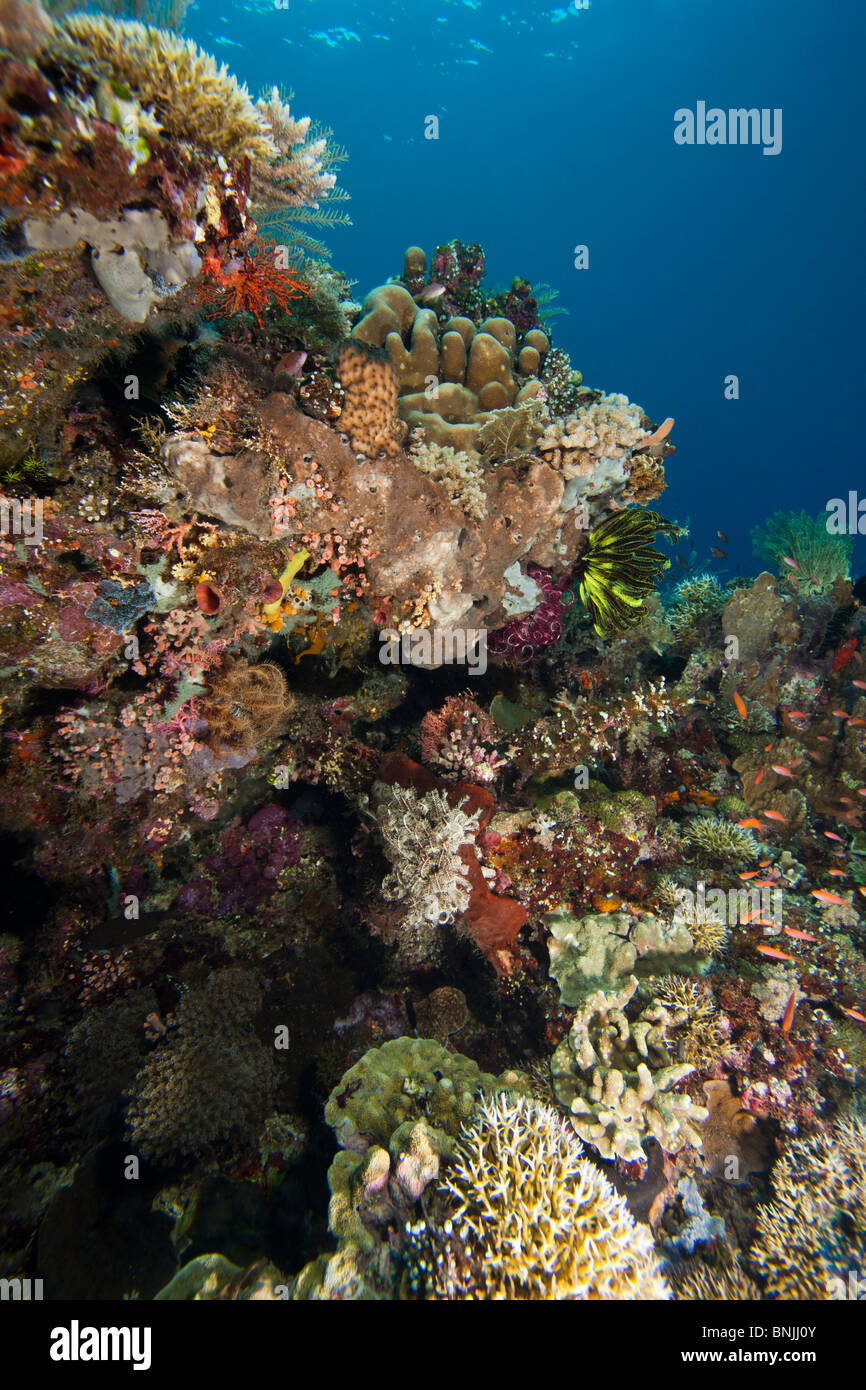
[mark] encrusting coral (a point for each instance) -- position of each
(520, 1214)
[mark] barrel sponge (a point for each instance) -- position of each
(387, 309)
(489, 361)
(369, 416)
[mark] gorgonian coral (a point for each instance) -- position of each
(251, 283)
(620, 567)
(524, 1216)
(521, 638)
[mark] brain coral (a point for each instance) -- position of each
(526, 1217)
(616, 1078)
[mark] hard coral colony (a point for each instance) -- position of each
(577, 922)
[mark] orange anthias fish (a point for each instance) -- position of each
(831, 835)
(861, 685)
(773, 952)
(740, 704)
(857, 723)
(831, 899)
(789, 1013)
(750, 824)
(717, 553)
(759, 778)
(764, 863)
(774, 815)
(749, 874)
(854, 1013)
(837, 873)
(781, 771)
(764, 883)
(797, 935)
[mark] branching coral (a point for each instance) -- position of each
(699, 1031)
(601, 1074)
(458, 471)
(192, 97)
(811, 1236)
(525, 1216)
(698, 599)
(620, 567)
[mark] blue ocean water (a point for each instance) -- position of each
(556, 130)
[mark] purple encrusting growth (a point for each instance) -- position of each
(521, 638)
(248, 866)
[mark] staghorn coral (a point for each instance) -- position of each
(522, 1215)
(210, 1080)
(697, 601)
(245, 704)
(727, 1283)
(422, 837)
(811, 1237)
(369, 416)
(191, 96)
(601, 1075)
(722, 840)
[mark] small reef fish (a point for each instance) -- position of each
(831, 899)
(774, 815)
(788, 1017)
(840, 713)
(719, 554)
(764, 883)
(750, 824)
(861, 685)
(857, 723)
(837, 873)
(740, 704)
(773, 952)
(792, 564)
(750, 873)
(846, 653)
(764, 863)
(798, 935)
(759, 777)
(831, 835)
(796, 714)
(782, 771)
(430, 292)
(854, 1013)
(722, 537)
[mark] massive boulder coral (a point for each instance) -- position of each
(616, 1078)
